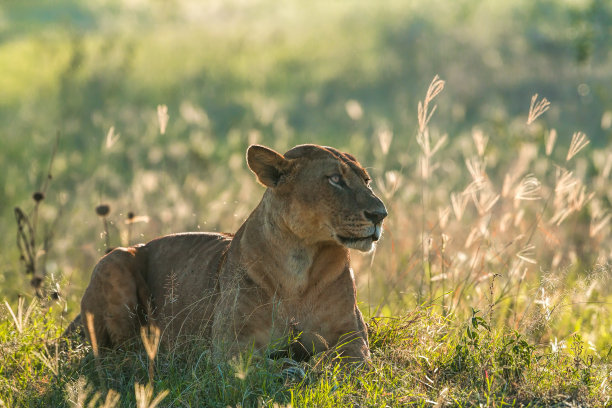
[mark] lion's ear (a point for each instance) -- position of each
(267, 164)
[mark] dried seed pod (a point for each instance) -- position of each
(38, 196)
(102, 210)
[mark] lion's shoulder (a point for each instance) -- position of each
(178, 251)
(191, 238)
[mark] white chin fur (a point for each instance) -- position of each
(363, 245)
(366, 246)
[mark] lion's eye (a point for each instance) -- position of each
(336, 180)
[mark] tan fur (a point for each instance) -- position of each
(285, 272)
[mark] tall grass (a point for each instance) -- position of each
(419, 359)
(519, 239)
(491, 291)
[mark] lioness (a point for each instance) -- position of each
(284, 273)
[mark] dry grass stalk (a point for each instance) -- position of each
(551, 138)
(424, 115)
(509, 180)
(111, 137)
(480, 141)
(385, 137)
(150, 336)
(424, 140)
(570, 195)
(565, 180)
(353, 109)
(79, 392)
(27, 226)
(390, 184)
(518, 217)
(560, 215)
(578, 197)
(103, 210)
(20, 320)
(52, 362)
(477, 169)
(607, 168)
(458, 204)
(162, 118)
(484, 200)
(504, 222)
(92, 335)
(606, 120)
(527, 254)
(112, 399)
(26, 241)
(423, 165)
(599, 220)
(579, 141)
(443, 217)
(537, 108)
(474, 187)
(529, 189)
(472, 237)
(144, 396)
(441, 401)
(89, 317)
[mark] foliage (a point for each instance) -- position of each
(419, 359)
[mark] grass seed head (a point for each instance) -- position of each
(537, 108)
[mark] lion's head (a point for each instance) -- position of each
(320, 194)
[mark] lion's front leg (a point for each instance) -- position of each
(341, 322)
(346, 341)
(244, 320)
(353, 346)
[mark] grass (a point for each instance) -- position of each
(419, 359)
(491, 286)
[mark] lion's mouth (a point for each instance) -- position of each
(375, 236)
(348, 241)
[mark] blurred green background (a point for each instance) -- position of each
(279, 73)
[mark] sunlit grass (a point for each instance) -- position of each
(420, 358)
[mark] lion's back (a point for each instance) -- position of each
(182, 275)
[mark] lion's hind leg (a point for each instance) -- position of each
(113, 306)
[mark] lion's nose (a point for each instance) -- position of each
(377, 215)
